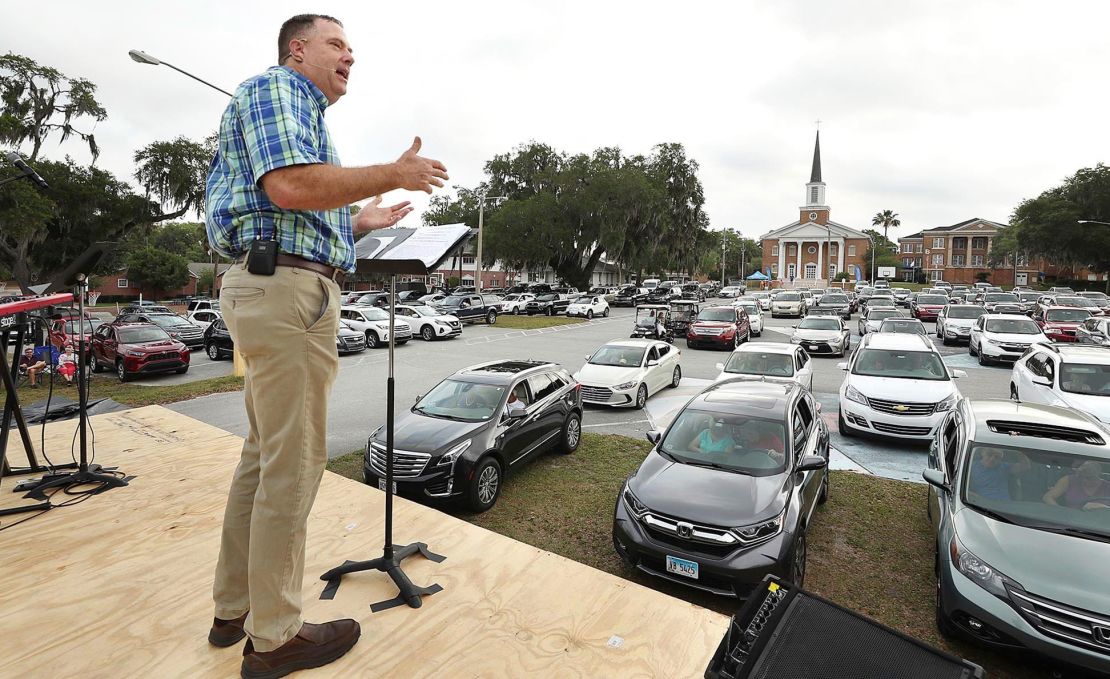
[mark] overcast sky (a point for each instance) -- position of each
(938, 110)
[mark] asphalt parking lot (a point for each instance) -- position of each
(358, 397)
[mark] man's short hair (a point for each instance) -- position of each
(295, 26)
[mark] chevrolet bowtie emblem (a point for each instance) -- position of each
(901, 408)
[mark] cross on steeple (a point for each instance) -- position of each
(818, 124)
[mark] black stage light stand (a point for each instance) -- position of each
(392, 555)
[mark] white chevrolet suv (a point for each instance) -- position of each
(1075, 376)
(897, 386)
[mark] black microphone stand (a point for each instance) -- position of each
(392, 555)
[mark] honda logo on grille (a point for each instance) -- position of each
(685, 529)
(1102, 634)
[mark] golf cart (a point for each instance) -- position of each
(653, 321)
(683, 313)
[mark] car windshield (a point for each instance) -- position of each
(880, 314)
(454, 300)
(1085, 378)
(833, 299)
(511, 297)
(1067, 315)
(549, 297)
(374, 314)
(1097, 296)
(86, 327)
(1077, 301)
(459, 400)
(761, 295)
(908, 326)
(725, 315)
(788, 297)
(585, 299)
(1000, 297)
(818, 323)
(915, 365)
(424, 311)
(1051, 491)
(1029, 296)
(751, 309)
(141, 335)
(932, 299)
(617, 355)
(966, 311)
(1012, 326)
(627, 291)
(169, 321)
(735, 443)
(761, 363)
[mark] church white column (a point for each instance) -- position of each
(798, 272)
(782, 259)
(840, 245)
(820, 257)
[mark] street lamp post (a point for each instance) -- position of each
(482, 198)
(872, 242)
(144, 58)
(722, 259)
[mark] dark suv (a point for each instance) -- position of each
(178, 327)
(464, 436)
(727, 494)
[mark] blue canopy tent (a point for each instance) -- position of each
(758, 276)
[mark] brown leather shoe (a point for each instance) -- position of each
(314, 646)
(226, 633)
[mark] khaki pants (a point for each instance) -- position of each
(284, 327)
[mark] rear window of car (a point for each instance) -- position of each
(931, 299)
(966, 311)
(788, 297)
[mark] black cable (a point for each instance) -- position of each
(77, 497)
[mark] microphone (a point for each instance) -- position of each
(325, 68)
(26, 169)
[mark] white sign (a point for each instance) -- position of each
(887, 271)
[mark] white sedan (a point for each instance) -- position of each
(768, 362)
(627, 372)
(429, 323)
(755, 313)
(588, 306)
(374, 322)
(514, 303)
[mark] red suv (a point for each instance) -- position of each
(137, 348)
(926, 306)
(719, 326)
(1059, 323)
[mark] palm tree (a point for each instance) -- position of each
(886, 219)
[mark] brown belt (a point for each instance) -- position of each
(324, 270)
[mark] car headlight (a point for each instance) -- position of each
(853, 394)
(626, 385)
(794, 339)
(134, 354)
(978, 571)
(451, 456)
(948, 403)
(637, 508)
(986, 340)
(760, 531)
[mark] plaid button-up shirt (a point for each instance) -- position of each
(275, 120)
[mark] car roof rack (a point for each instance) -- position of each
(1046, 431)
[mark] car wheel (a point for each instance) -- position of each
(213, 351)
(605, 314)
(572, 434)
(372, 340)
(491, 317)
(971, 348)
(676, 377)
(736, 340)
(1014, 392)
(689, 345)
(823, 496)
(589, 314)
(427, 333)
(842, 426)
(121, 372)
(550, 311)
(96, 367)
(798, 560)
(641, 396)
(486, 487)
(983, 360)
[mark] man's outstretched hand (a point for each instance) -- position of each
(373, 216)
(416, 173)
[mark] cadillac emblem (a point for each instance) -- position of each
(901, 408)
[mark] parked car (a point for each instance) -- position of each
(909, 326)
(433, 299)
(373, 322)
(1061, 290)
(588, 306)
(897, 386)
(764, 299)
(1010, 510)
(144, 308)
(1067, 375)
(954, 322)
(728, 493)
(547, 304)
(463, 438)
(348, 339)
(1099, 298)
(202, 304)
(692, 291)
(628, 372)
(137, 349)
(202, 318)
(428, 322)
(836, 302)
(788, 304)
(822, 335)
(1060, 323)
(177, 327)
(217, 340)
(1094, 330)
(993, 299)
(472, 308)
(630, 296)
(1002, 337)
(926, 307)
(770, 362)
(871, 319)
(901, 296)
(755, 314)
(720, 327)
(514, 302)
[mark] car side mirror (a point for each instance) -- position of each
(652, 362)
(935, 478)
(812, 463)
(959, 373)
(418, 397)
(794, 326)
(842, 366)
(818, 404)
(517, 414)
(1043, 383)
(653, 436)
(587, 358)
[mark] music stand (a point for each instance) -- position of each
(373, 254)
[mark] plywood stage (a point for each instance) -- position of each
(120, 585)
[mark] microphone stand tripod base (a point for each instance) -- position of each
(390, 564)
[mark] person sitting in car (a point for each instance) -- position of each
(514, 404)
(990, 476)
(1082, 489)
(757, 439)
(714, 439)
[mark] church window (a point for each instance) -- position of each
(938, 242)
(977, 260)
(793, 250)
(812, 195)
(811, 250)
(774, 251)
(851, 251)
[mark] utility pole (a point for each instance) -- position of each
(723, 258)
(482, 198)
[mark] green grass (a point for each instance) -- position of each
(533, 322)
(105, 385)
(871, 547)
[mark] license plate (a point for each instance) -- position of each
(381, 486)
(813, 347)
(687, 569)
